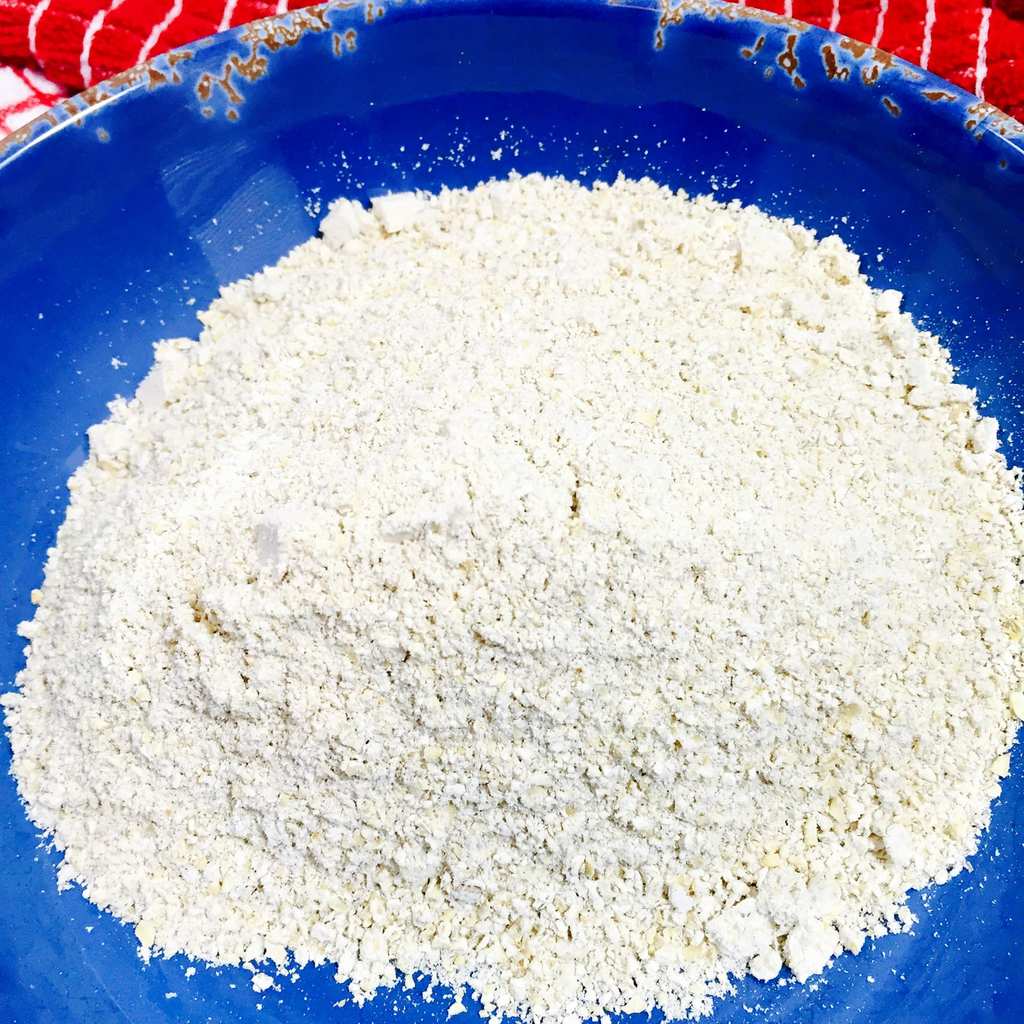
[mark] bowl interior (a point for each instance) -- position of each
(117, 225)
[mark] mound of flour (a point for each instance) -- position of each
(579, 595)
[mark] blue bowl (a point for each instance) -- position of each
(123, 212)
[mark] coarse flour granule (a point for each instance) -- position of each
(582, 595)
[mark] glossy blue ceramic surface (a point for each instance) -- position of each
(122, 218)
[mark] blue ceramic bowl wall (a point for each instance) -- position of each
(124, 212)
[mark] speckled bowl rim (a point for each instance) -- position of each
(810, 56)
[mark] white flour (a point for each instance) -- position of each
(580, 595)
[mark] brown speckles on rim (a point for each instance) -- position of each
(789, 61)
(141, 73)
(207, 111)
(832, 66)
(205, 85)
(868, 62)
(373, 11)
(861, 50)
(994, 119)
(668, 15)
(265, 38)
(102, 134)
(231, 114)
(857, 49)
(156, 77)
(749, 52)
(343, 42)
(104, 90)
(880, 60)
(75, 106)
(25, 132)
(675, 13)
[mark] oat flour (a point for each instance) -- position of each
(579, 594)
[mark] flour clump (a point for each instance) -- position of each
(582, 595)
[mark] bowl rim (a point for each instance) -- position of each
(843, 59)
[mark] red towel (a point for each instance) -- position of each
(978, 44)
